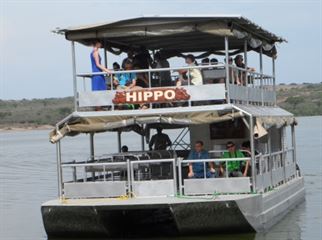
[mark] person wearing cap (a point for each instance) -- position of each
(234, 167)
(126, 80)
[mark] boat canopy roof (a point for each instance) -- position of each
(177, 34)
(93, 122)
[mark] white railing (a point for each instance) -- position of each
(257, 88)
(219, 184)
(274, 169)
(136, 177)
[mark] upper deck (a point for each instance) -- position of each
(204, 36)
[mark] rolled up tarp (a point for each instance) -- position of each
(259, 130)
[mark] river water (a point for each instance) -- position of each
(28, 178)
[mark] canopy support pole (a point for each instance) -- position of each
(74, 75)
(227, 68)
(105, 57)
(246, 73)
(92, 153)
(91, 140)
(261, 73)
(252, 150)
(142, 142)
(119, 140)
(274, 80)
(59, 170)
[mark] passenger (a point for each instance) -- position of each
(164, 77)
(160, 141)
(233, 75)
(142, 59)
(241, 74)
(196, 170)
(124, 149)
(214, 61)
(130, 56)
(234, 167)
(142, 78)
(205, 61)
(98, 81)
(247, 152)
(116, 67)
(126, 81)
(194, 74)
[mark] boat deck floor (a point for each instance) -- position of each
(145, 200)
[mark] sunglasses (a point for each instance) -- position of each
(230, 146)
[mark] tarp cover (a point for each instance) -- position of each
(79, 122)
(177, 34)
(76, 124)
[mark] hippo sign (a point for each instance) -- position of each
(156, 95)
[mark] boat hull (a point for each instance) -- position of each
(171, 216)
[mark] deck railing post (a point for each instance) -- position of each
(227, 69)
(252, 149)
(92, 153)
(129, 182)
(174, 169)
(180, 176)
(59, 170)
(74, 75)
(293, 144)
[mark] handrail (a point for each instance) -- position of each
(249, 71)
(150, 70)
(93, 164)
(220, 65)
(215, 160)
(277, 153)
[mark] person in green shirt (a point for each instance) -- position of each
(234, 167)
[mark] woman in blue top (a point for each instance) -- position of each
(98, 81)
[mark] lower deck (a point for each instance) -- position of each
(171, 216)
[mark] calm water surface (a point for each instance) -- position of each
(28, 178)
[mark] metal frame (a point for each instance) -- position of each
(227, 68)
(154, 161)
(59, 170)
(74, 74)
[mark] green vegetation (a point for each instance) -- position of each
(34, 112)
(302, 100)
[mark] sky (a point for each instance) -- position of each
(36, 63)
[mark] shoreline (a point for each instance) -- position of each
(22, 128)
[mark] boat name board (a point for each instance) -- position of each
(151, 96)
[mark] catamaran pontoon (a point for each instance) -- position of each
(143, 192)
